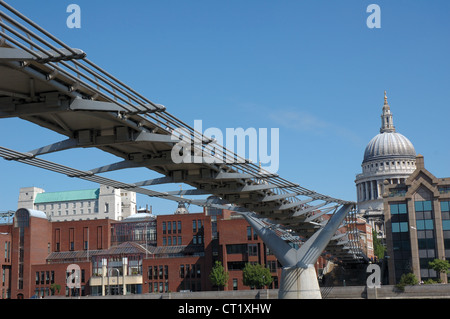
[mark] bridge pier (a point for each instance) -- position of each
(299, 283)
(298, 277)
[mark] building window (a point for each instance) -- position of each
(272, 265)
(150, 272)
(445, 206)
(181, 271)
(57, 239)
(425, 237)
(399, 218)
(188, 272)
(445, 213)
(400, 227)
(253, 249)
(236, 249)
(444, 189)
(426, 224)
(398, 209)
(160, 272)
(422, 206)
(71, 239)
(99, 237)
(86, 238)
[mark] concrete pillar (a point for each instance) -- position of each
(299, 283)
(366, 186)
(124, 275)
(379, 189)
(104, 273)
(372, 190)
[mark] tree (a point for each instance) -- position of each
(55, 287)
(440, 265)
(218, 276)
(256, 275)
(407, 280)
(378, 247)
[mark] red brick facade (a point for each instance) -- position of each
(187, 246)
(5, 260)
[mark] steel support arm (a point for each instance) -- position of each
(309, 209)
(311, 250)
(285, 254)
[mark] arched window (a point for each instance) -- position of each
(22, 218)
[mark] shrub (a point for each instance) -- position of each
(407, 280)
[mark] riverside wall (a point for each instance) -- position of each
(434, 291)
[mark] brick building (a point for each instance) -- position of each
(5, 262)
(140, 254)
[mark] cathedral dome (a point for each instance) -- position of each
(389, 145)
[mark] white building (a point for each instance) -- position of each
(388, 158)
(98, 203)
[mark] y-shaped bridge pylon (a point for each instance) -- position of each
(299, 278)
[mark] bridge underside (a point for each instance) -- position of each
(58, 88)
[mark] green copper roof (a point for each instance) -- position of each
(67, 196)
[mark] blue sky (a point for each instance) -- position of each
(313, 69)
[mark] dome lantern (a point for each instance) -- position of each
(387, 121)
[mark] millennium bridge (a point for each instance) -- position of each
(48, 83)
